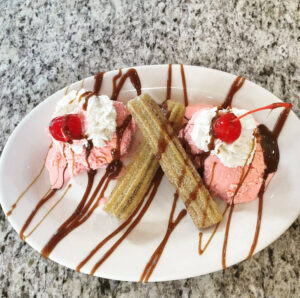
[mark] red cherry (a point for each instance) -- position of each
(66, 128)
(226, 129)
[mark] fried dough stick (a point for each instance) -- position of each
(135, 181)
(174, 161)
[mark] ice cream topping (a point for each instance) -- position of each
(230, 154)
(66, 128)
(101, 120)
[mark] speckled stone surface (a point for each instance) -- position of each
(46, 45)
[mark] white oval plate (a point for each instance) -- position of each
(26, 148)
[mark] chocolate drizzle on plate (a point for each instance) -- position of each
(241, 181)
(224, 250)
(46, 198)
(280, 122)
(169, 82)
(235, 87)
(153, 187)
(114, 233)
(97, 87)
(185, 96)
(98, 82)
(114, 81)
(72, 221)
(135, 80)
(162, 143)
(48, 211)
(159, 250)
(14, 205)
(268, 141)
(202, 250)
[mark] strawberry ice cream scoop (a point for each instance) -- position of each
(228, 183)
(227, 164)
(99, 124)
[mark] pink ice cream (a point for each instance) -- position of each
(63, 163)
(221, 180)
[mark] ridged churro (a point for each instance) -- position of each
(174, 161)
(135, 181)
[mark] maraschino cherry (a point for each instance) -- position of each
(227, 127)
(66, 128)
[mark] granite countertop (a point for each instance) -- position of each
(45, 45)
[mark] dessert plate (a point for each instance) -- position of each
(26, 148)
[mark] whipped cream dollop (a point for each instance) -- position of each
(231, 155)
(99, 118)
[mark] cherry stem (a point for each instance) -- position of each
(271, 107)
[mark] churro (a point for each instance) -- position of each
(135, 181)
(174, 161)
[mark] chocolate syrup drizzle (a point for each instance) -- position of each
(46, 198)
(162, 143)
(135, 81)
(98, 82)
(86, 100)
(202, 250)
(169, 82)
(235, 87)
(211, 145)
(88, 150)
(270, 147)
(114, 81)
(48, 211)
(154, 186)
(110, 236)
(14, 205)
(159, 250)
(185, 96)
